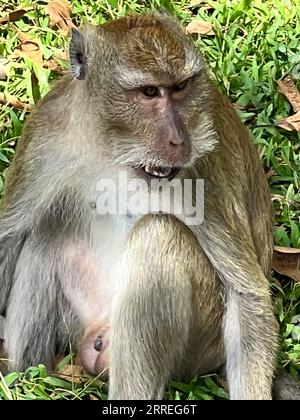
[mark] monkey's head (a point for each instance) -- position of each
(148, 91)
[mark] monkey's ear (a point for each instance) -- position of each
(78, 54)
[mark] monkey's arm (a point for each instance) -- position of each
(237, 238)
(249, 325)
(38, 178)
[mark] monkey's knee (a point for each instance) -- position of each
(157, 224)
(166, 236)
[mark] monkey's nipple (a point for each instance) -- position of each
(98, 343)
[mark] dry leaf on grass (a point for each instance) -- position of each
(200, 27)
(54, 66)
(30, 48)
(290, 123)
(13, 16)
(286, 261)
(288, 88)
(59, 12)
(14, 102)
(72, 372)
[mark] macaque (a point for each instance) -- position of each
(143, 297)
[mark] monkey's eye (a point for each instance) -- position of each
(150, 91)
(180, 86)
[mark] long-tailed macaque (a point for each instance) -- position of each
(142, 297)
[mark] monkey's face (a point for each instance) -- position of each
(156, 130)
(156, 113)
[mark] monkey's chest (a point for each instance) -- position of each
(108, 236)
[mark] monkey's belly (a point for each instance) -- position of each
(98, 268)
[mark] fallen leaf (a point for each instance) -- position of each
(14, 102)
(13, 16)
(30, 48)
(288, 88)
(286, 261)
(200, 27)
(72, 372)
(291, 123)
(54, 66)
(59, 12)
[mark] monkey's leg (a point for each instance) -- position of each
(153, 317)
(251, 344)
(32, 307)
(250, 329)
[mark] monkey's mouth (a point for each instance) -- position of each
(158, 172)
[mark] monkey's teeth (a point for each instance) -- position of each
(166, 172)
(155, 172)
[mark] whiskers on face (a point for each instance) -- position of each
(129, 152)
(134, 154)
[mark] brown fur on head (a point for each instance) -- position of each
(145, 42)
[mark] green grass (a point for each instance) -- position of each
(255, 43)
